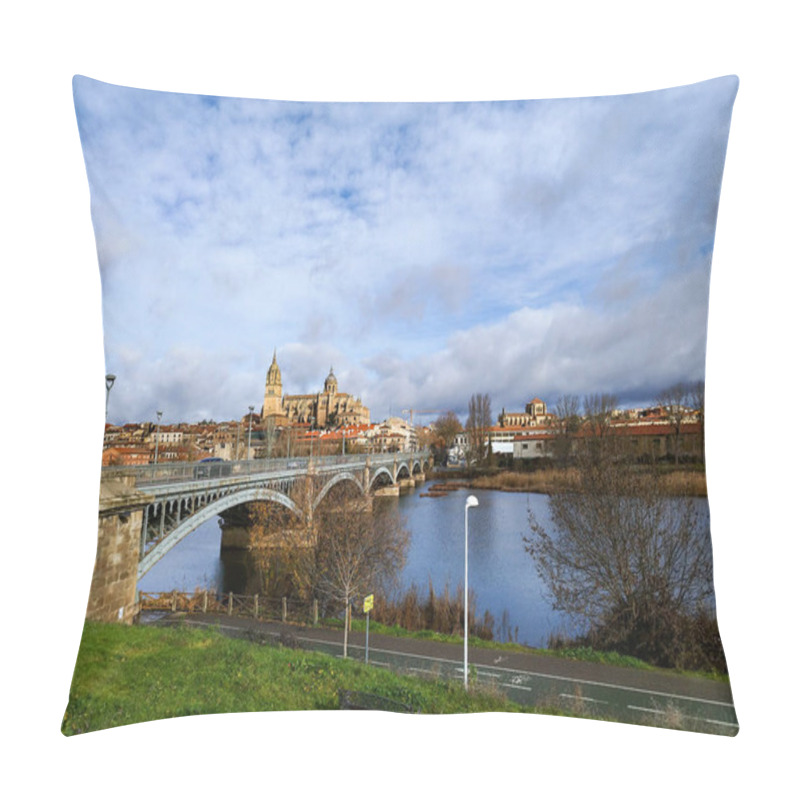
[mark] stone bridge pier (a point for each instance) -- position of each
(112, 596)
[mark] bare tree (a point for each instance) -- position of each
(697, 391)
(445, 429)
(362, 553)
(567, 411)
(598, 410)
(629, 561)
(333, 553)
(674, 401)
(448, 426)
(479, 423)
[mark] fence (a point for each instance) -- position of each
(183, 471)
(286, 609)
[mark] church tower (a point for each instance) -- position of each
(331, 384)
(273, 393)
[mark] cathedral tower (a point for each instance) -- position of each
(331, 384)
(273, 392)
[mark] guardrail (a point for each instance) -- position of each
(176, 472)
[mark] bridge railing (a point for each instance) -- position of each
(182, 471)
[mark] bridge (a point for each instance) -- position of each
(146, 510)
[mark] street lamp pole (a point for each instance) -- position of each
(109, 383)
(472, 501)
(158, 424)
(249, 430)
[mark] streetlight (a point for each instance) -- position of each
(472, 501)
(109, 383)
(158, 414)
(311, 421)
(249, 430)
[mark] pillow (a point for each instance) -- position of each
(434, 368)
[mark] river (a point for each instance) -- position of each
(501, 573)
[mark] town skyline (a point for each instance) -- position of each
(425, 416)
(428, 251)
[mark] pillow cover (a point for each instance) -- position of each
(424, 366)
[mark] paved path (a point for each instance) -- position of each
(632, 695)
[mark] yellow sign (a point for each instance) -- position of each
(369, 601)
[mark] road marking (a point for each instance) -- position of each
(694, 719)
(586, 699)
(518, 672)
(564, 678)
(720, 722)
(647, 710)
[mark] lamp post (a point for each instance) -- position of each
(109, 383)
(249, 430)
(158, 424)
(472, 501)
(311, 421)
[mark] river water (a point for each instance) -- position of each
(501, 573)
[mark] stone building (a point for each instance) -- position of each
(329, 408)
(535, 414)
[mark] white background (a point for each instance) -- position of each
(53, 393)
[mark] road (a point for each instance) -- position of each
(649, 697)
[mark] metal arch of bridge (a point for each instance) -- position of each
(208, 512)
(212, 497)
(382, 471)
(342, 476)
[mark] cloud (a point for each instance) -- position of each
(426, 251)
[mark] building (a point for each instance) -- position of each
(535, 414)
(395, 435)
(126, 456)
(329, 408)
(641, 441)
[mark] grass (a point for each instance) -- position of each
(573, 653)
(125, 675)
(684, 480)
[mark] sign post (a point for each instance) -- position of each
(369, 601)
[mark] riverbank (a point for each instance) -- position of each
(683, 482)
(202, 664)
(125, 675)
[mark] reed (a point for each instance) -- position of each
(415, 610)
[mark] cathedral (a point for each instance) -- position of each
(329, 408)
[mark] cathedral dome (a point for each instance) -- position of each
(331, 384)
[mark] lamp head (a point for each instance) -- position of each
(472, 501)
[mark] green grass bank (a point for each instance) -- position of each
(125, 675)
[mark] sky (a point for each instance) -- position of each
(424, 251)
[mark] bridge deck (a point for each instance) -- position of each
(193, 471)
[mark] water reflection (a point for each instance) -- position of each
(502, 574)
(193, 563)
